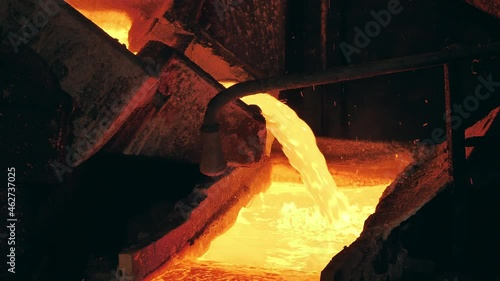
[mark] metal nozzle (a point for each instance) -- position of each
(212, 162)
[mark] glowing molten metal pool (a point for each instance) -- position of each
(291, 231)
(280, 236)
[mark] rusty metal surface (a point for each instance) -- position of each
(491, 7)
(205, 51)
(169, 124)
(258, 39)
(33, 116)
(231, 40)
(197, 45)
(108, 84)
(106, 81)
(170, 24)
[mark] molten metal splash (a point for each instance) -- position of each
(291, 231)
(282, 230)
(288, 229)
(299, 145)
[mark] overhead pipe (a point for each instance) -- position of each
(213, 161)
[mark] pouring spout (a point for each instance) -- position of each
(213, 162)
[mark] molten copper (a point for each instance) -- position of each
(293, 229)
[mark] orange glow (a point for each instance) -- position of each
(291, 231)
(282, 230)
(116, 24)
(299, 145)
(280, 235)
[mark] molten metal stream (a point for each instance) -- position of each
(291, 231)
(299, 145)
(297, 139)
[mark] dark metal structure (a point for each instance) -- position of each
(451, 59)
